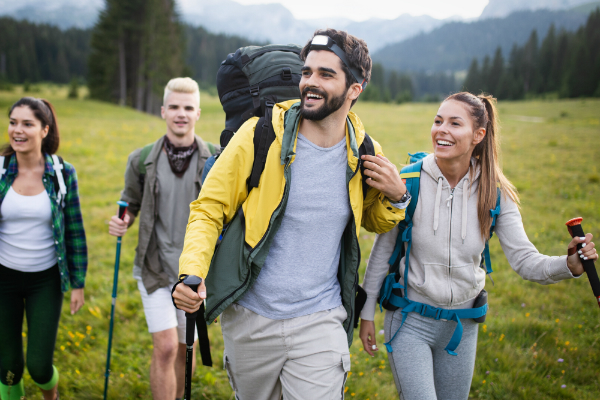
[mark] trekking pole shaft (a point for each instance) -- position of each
(192, 282)
(575, 229)
(121, 215)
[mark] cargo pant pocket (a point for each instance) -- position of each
(346, 366)
(227, 367)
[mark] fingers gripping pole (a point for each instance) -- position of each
(193, 282)
(574, 227)
(121, 214)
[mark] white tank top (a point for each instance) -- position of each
(26, 239)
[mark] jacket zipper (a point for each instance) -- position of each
(350, 326)
(450, 245)
(285, 189)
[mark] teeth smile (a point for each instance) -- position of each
(314, 96)
(444, 143)
(20, 140)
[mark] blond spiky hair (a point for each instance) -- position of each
(182, 85)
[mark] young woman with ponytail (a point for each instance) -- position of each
(43, 249)
(451, 223)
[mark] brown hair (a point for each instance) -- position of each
(43, 112)
(356, 51)
(487, 152)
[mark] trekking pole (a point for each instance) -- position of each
(192, 281)
(574, 227)
(122, 210)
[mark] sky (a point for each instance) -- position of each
(360, 10)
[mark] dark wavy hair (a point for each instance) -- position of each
(43, 112)
(356, 51)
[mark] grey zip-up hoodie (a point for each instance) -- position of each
(447, 245)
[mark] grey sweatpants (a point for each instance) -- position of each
(422, 369)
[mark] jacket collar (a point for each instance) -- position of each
(203, 151)
(13, 167)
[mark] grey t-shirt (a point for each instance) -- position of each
(173, 210)
(299, 276)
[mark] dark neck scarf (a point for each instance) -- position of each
(179, 157)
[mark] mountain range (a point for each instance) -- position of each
(406, 42)
(452, 46)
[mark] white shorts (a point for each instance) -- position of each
(160, 312)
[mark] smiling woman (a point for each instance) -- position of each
(436, 296)
(42, 246)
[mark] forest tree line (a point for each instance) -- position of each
(565, 63)
(137, 45)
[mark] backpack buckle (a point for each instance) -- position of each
(254, 90)
(286, 73)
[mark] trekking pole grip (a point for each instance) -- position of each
(122, 209)
(192, 281)
(574, 227)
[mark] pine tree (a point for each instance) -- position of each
(136, 47)
(546, 58)
(472, 82)
(496, 71)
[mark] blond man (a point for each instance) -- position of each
(161, 180)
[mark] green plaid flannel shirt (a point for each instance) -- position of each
(67, 224)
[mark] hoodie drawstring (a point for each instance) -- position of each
(438, 198)
(465, 200)
(466, 195)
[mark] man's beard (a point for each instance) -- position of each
(328, 107)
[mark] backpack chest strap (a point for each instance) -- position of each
(3, 168)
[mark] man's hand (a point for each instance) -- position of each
(186, 299)
(588, 251)
(367, 335)
(117, 226)
(384, 176)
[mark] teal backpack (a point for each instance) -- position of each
(391, 293)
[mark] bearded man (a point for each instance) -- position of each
(285, 273)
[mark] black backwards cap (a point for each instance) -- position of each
(323, 42)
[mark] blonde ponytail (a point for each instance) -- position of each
(487, 153)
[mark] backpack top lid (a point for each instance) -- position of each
(250, 74)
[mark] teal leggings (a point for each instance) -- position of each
(38, 295)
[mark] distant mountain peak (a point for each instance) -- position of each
(502, 8)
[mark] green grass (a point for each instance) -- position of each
(551, 153)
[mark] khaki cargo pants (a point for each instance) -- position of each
(303, 358)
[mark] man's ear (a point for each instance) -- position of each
(354, 91)
(199, 112)
(162, 112)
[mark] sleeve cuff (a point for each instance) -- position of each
(368, 311)
(399, 205)
(558, 269)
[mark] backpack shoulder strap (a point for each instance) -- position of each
(143, 155)
(59, 179)
(264, 135)
(486, 261)
(4, 161)
(411, 175)
(213, 149)
(366, 148)
(142, 164)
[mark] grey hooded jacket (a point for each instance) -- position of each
(447, 245)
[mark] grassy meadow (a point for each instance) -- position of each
(537, 343)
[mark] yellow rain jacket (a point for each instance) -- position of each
(253, 218)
